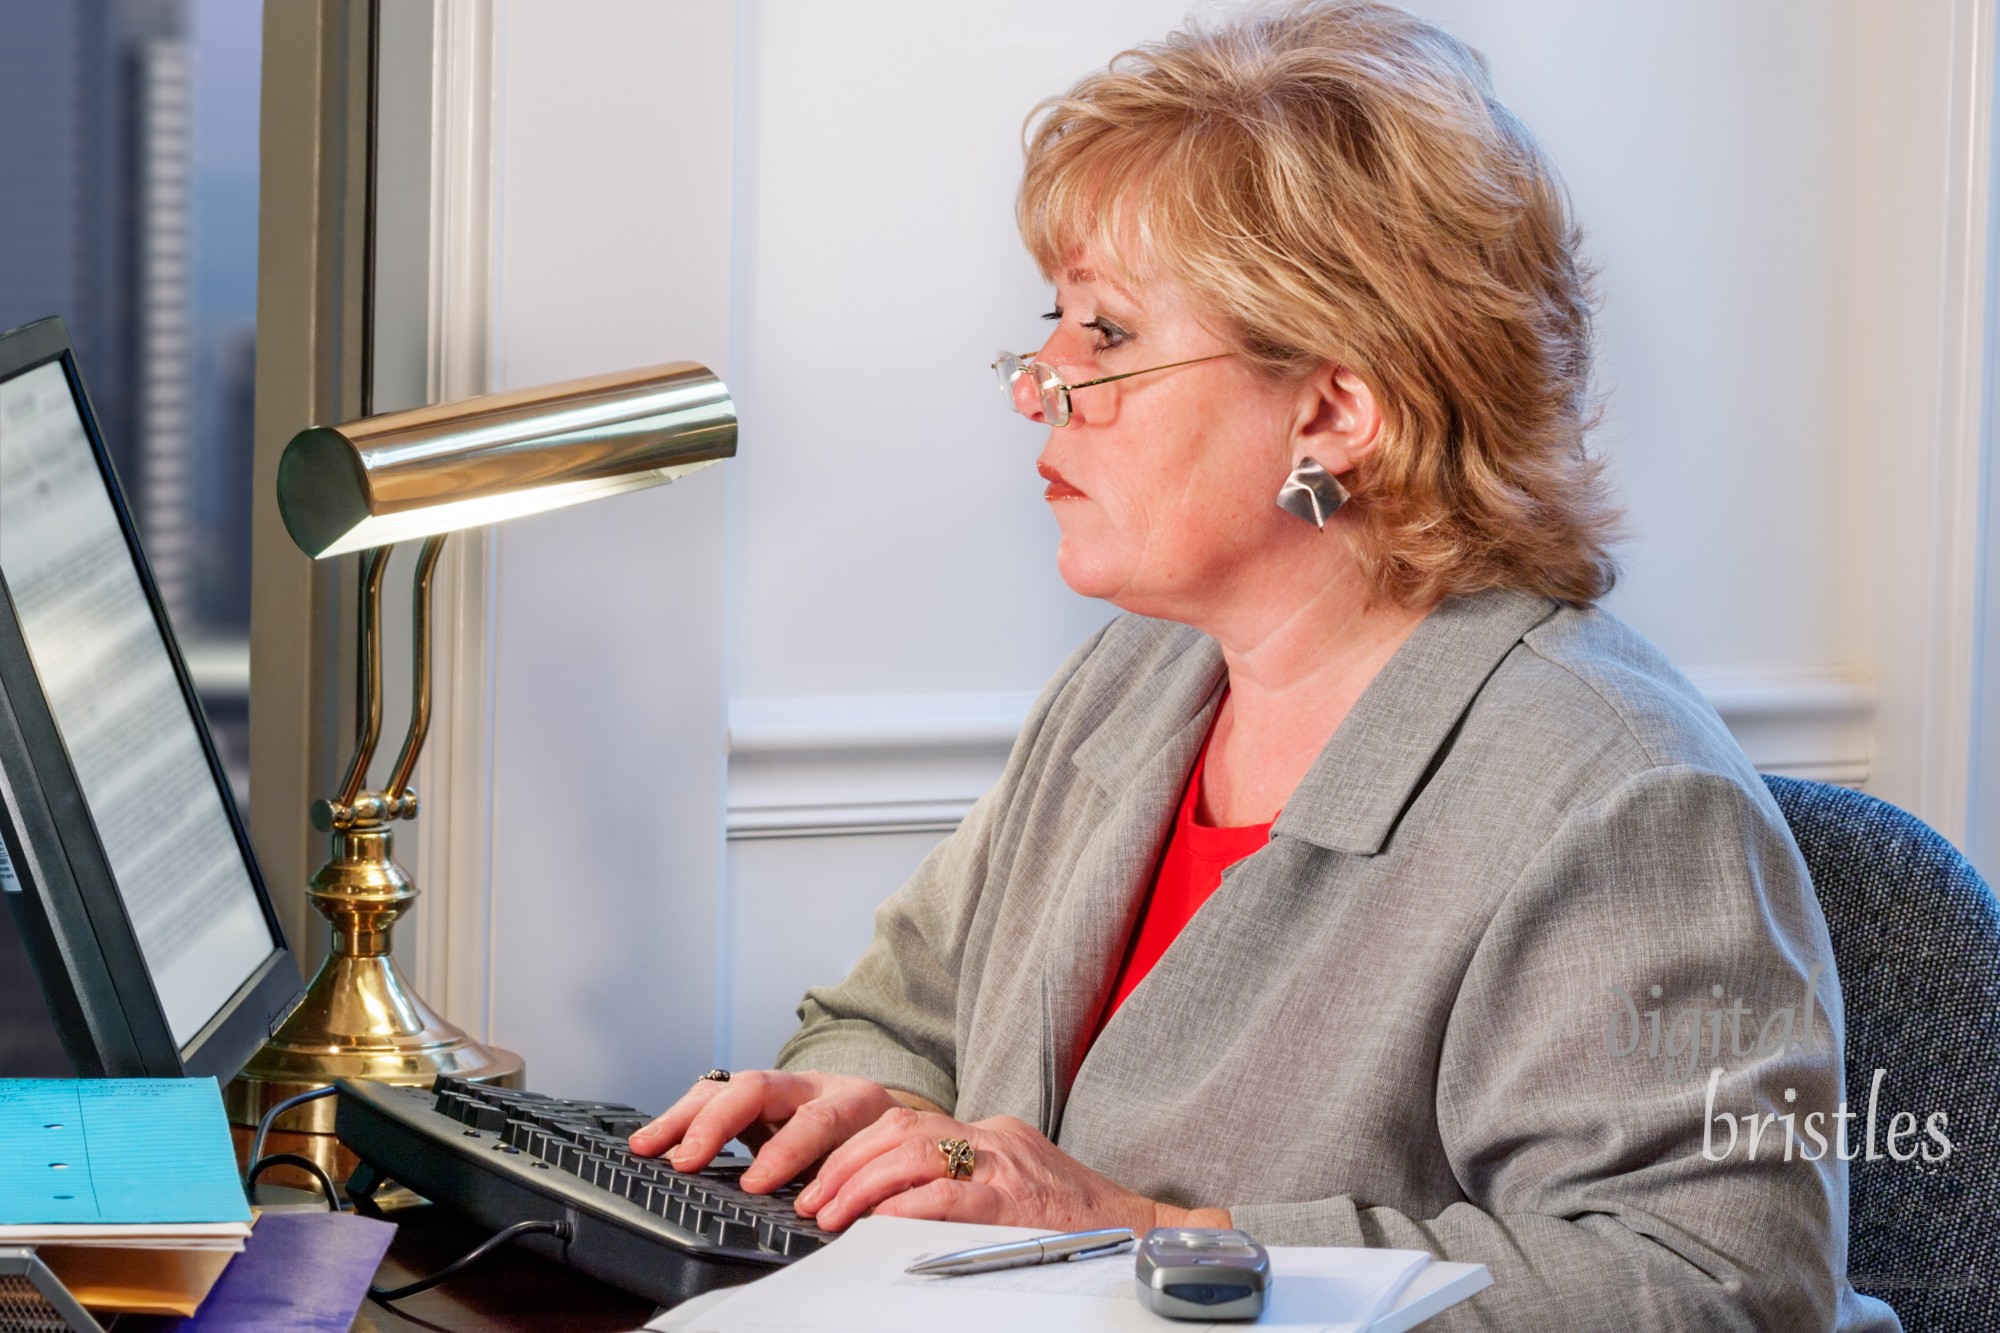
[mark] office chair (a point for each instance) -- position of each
(1916, 939)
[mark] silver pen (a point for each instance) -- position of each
(1023, 1253)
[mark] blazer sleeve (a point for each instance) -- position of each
(895, 1017)
(1599, 1191)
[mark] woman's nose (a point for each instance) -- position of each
(1027, 396)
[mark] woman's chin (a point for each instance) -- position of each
(1085, 576)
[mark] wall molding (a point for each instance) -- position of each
(868, 764)
(818, 767)
(454, 855)
(1816, 723)
(1946, 656)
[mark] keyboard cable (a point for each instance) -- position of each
(258, 1161)
(560, 1230)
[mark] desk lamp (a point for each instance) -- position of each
(362, 487)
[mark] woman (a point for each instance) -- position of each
(1307, 256)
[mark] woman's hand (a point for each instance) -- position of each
(796, 1118)
(894, 1168)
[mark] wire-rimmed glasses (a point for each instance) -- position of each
(1049, 384)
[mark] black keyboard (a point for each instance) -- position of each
(500, 1155)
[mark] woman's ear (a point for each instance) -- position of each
(1338, 420)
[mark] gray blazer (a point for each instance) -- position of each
(1402, 1022)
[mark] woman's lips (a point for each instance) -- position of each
(1058, 489)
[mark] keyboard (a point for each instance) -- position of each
(498, 1156)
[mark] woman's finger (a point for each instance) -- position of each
(813, 1131)
(666, 1128)
(745, 1100)
(891, 1128)
(948, 1201)
(908, 1165)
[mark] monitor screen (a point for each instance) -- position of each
(118, 703)
(127, 844)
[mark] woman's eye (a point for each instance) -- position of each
(1109, 335)
(1054, 315)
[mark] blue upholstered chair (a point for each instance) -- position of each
(1916, 936)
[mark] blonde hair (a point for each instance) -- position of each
(1334, 181)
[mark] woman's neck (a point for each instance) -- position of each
(1296, 666)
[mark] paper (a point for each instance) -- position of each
(226, 1236)
(301, 1272)
(121, 1280)
(115, 1151)
(858, 1284)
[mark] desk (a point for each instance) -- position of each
(509, 1290)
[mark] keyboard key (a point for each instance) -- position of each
(798, 1244)
(736, 1234)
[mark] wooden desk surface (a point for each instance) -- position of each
(508, 1290)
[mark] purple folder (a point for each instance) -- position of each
(298, 1271)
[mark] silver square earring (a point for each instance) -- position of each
(1312, 493)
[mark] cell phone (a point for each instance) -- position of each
(1202, 1273)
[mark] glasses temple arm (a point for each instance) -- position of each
(1107, 379)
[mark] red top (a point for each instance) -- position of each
(1190, 869)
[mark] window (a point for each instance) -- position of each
(130, 210)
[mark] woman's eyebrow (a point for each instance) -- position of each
(1087, 275)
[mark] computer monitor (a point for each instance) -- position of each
(127, 870)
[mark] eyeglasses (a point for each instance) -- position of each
(1054, 393)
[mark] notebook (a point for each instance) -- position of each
(124, 1158)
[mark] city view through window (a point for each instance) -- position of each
(128, 206)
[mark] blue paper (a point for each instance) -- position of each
(116, 1151)
(301, 1272)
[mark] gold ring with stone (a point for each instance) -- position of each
(958, 1158)
(715, 1076)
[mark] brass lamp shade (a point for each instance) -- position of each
(389, 478)
(364, 486)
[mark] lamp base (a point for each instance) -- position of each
(359, 1019)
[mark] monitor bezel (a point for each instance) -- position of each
(75, 926)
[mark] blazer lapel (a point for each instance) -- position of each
(1140, 757)
(1380, 755)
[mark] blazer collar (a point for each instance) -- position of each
(1350, 799)
(1352, 796)
(1181, 687)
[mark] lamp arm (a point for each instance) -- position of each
(420, 693)
(368, 696)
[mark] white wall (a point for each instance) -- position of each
(612, 207)
(816, 199)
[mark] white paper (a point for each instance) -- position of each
(859, 1284)
(149, 1235)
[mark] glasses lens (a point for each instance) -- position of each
(1007, 368)
(1055, 402)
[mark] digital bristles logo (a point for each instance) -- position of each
(1693, 1036)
